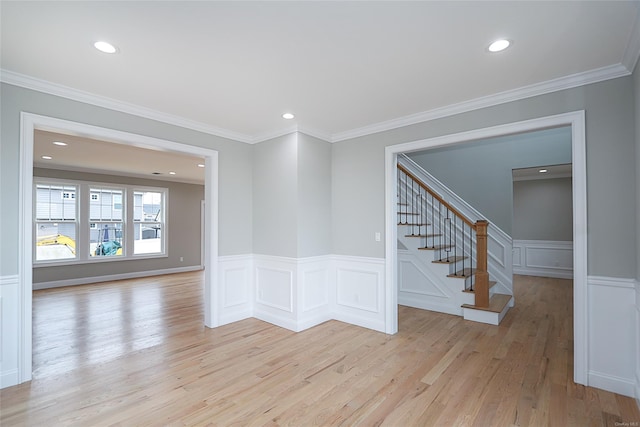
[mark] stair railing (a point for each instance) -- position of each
(419, 207)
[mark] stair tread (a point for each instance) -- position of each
(408, 213)
(497, 303)
(449, 260)
(435, 248)
(422, 235)
(462, 274)
(492, 283)
(413, 223)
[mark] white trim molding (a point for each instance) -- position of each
(9, 339)
(543, 258)
(562, 83)
(613, 332)
(28, 124)
(576, 120)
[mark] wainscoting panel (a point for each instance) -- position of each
(360, 291)
(544, 258)
(236, 288)
(276, 290)
(314, 297)
(9, 339)
(612, 334)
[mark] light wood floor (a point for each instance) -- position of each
(136, 353)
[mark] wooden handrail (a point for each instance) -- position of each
(437, 197)
(481, 287)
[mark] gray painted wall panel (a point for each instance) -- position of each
(543, 210)
(183, 228)
(235, 163)
(481, 172)
(610, 170)
(314, 196)
(275, 203)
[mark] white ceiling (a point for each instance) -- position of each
(89, 155)
(344, 68)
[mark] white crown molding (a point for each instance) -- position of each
(593, 76)
(632, 52)
(44, 86)
(562, 83)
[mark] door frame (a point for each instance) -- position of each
(29, 123)
(576, 120)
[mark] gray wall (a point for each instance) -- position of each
(636, 92)
(314, 196)
(358, 171)
(235, 164)
(275, 196)
(543, 209)
(292, 196)
(183, 226)
(481, 172)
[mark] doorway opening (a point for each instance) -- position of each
(31, 123)
(575, 121)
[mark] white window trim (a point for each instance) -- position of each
(83, 222)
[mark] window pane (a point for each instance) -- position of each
(55, 240)
(147, 206)
(105, 239)
(105, 204)
(55, 202)
(148, 238)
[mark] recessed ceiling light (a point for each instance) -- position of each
(543, 171)
(60, 143)
(172, 173)
(47, 157)
(288, 116)
(200, 165)
(499, 45)
(105, 47)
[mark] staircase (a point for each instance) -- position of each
(449, 251)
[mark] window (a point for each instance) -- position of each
(77, 221)
(55, 221)
(148, 218)
(106, 236)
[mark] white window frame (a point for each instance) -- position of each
(164, 192)
(83, 198)
(35, 220)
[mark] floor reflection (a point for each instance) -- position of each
(85, 325)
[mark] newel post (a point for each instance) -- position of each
(481, 286)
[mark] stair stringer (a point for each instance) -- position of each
(425, 285)
(499, 243)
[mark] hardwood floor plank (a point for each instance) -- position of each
(136, 352)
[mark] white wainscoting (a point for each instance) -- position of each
(235, 281)
(359, 291)
(417, 286)
(543, 258)
(9, 339)
(314, 298)
(613, 333)
(293, 293)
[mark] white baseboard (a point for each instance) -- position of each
(9, 378)
(112, 277)
(612, 383)
(543, 258)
